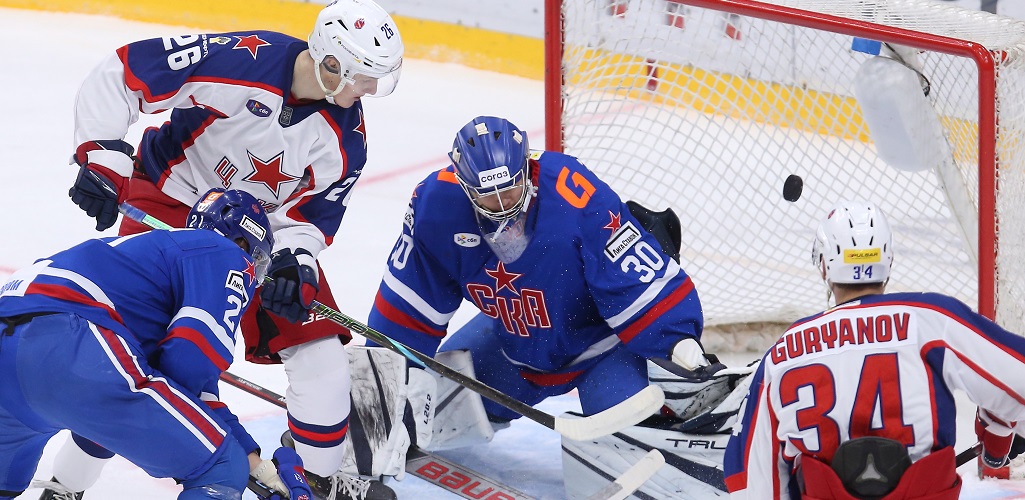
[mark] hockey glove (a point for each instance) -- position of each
(998, 439)
(284, 475)
(103, 178)
(295, 286)
(689, 354)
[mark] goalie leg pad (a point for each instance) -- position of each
(378, 438)
(460, 419)
(318, 401)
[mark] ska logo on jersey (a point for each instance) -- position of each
(252, 43)
(518, 314)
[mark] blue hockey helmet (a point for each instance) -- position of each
(490, 157)
(236, 214)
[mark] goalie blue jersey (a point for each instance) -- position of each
(174, 297)
(590, 278)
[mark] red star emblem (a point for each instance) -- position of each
(252, 43)
(361, 128)
(269, 173)
(250, 270)
(503, 278)
(614, 223)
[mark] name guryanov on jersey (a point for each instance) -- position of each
(837, 333)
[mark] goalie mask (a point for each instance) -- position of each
(353, 38)
(854, 243)
(490, 158)
(236, 214)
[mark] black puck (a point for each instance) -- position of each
(792, 188)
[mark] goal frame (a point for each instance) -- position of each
(987, 122)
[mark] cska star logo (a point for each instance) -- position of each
(270, 173)
(252, 43)
(524, 310)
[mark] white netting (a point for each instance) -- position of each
(709, 112)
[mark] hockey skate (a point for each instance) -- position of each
(341, 486)
(56, 491)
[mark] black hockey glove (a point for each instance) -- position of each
(100, 187)
(1017, 447)
(295, 286)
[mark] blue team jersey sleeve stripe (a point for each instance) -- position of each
(417, 302)
(400, 318)
(208, 323)
(637, 326)
(650, 294)
(202, 343)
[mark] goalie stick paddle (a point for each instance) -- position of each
(633, 478)
(629, 412)
(441, 472)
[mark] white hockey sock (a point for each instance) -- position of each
(318, 394)
(76, 469)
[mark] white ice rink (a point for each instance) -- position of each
(44, 58)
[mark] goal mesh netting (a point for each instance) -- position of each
(708, 111)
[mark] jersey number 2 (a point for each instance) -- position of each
(878, 399)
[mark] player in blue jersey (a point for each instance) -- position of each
(122, 340)
(858, 400)
(572, 291)
(265, 113)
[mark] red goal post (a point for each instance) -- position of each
(708, 105)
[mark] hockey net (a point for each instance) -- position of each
(706, 106)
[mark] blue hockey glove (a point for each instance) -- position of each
(102, 181)
(295, 286)
(290, 477)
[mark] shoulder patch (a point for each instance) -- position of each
(237, 282)
(535, 154)
(621, 241)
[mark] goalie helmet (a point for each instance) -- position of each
(236, 214)
(365, 41)
(490, 157)
(854, 243)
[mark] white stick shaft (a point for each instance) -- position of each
(633, 478)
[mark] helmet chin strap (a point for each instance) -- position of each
(328, 94)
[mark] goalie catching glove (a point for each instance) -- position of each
(284, 476)
(102, 181)
(294, 286)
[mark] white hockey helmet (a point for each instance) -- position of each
(365, 41)
(854, 243)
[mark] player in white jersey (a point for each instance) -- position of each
(858, 400)
(281, 119)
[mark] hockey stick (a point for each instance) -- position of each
(633, 478)
(967, 455)
(629, 412)
(432, 468)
